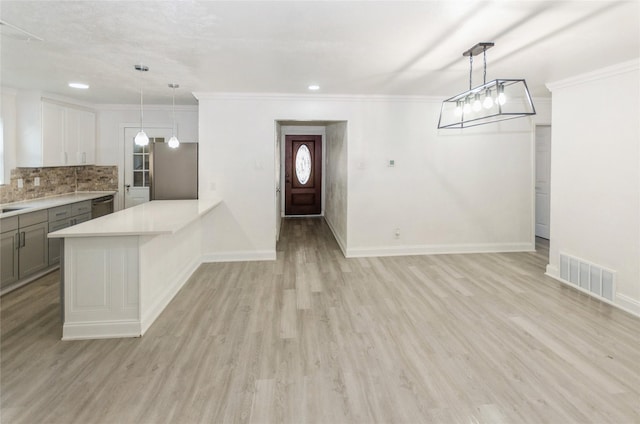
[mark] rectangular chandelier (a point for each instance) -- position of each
(497, 100)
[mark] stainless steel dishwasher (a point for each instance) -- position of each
(101, 206)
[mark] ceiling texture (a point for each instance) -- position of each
(346, 47)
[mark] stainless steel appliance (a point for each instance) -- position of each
(173, 172)
(101, 206)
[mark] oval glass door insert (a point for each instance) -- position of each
(303, 164)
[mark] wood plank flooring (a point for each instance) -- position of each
(316, 338)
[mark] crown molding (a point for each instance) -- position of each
(608, 72)
(315, 97)
(129, 107)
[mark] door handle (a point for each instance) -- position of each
(126, 186)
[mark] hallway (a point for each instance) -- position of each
(316, 337)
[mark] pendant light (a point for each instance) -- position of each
(493, 101)
(173, 141)
(141, 138)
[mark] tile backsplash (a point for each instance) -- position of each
(58, 180)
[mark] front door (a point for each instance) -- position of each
(303, 175)
(136, 164)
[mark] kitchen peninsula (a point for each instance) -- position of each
(121, 270)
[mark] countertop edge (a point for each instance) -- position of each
(52, 202)
(141, 232)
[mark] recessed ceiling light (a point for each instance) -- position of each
(78, 85)
(314, 87)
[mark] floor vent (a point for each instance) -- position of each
(590, 277)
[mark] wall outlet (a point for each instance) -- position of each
(396, 233)
(20, 183)
(36, 181)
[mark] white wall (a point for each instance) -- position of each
(450, 191)
(112, 119)
(9, 133)
(335, 210)
(595, 175)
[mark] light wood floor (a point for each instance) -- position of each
(314, 337)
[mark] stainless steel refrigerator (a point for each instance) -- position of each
(173, 172)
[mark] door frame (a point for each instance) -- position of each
(535, 209)
(301, 130)
(534, 126)
(119, 196)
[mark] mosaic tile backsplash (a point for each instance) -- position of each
(58, 180)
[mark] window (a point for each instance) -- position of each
(141, 162)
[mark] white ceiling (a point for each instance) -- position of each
(358, 47)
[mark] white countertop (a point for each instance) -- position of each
(151, 218)
(51, 202)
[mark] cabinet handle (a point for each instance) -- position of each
(23, 239)
(16, 241)
(61, 213)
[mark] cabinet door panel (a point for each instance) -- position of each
(53, 134)
(9, 257)
(86, 137)
(34, 249)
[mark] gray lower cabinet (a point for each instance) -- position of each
(25, 249)
(54, 244)
(9, 251)
(33, 249)
(63, 217)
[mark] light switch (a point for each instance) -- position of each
(20, 183)
(392, 162)
(36, 181)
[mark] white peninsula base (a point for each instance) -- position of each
(120, 271)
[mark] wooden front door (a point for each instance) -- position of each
(303, 175)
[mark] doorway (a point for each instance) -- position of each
(303, 175)
(543, 181)
(136, 164)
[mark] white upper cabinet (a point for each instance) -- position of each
(52, 133)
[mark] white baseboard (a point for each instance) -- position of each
(628, 304)
(101, 330)
(622, 302)
(341, 243)
(240, 256)
(434, 249)
(552, 271)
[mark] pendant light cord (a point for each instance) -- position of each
(141, 113)
(173, 110)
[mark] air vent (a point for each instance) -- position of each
(588, 276)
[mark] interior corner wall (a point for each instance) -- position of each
(335, 211)
(449, 191)
(595, 177)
